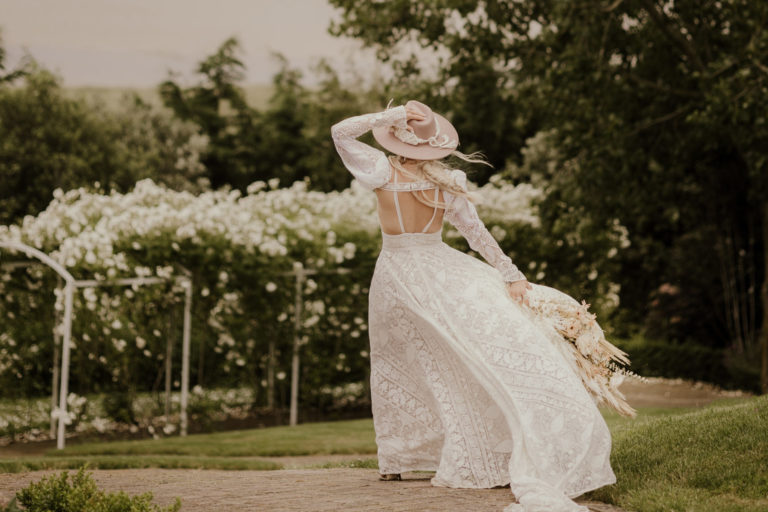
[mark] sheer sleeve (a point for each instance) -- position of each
(367, 164)
(461, 213)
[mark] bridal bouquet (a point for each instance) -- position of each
(597, 361)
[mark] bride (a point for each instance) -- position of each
(465, 380)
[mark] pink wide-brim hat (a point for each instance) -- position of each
(431, 139)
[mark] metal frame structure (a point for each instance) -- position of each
(300, 273)
(71, 284)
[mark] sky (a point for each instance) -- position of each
(134, 43)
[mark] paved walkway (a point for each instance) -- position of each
(300, 489)
(290, 490)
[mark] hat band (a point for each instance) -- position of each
(436, 141)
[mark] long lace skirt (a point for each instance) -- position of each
(466, 383)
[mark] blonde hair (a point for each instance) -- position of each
(437, 172)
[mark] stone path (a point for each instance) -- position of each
(301, 489)
(659, 392)
(291, 490)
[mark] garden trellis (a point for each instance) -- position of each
(71, 284)
(239, 248)
(300, 273)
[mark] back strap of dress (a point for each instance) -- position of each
(434, 213)
(397, 207)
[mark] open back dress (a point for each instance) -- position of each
(464, 381)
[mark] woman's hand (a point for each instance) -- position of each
(518, 290)
(413, 115)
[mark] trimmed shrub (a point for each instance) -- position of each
(57, 493)
(651, 358)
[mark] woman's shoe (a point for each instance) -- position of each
(390, 477)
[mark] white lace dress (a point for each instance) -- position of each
(464, 381)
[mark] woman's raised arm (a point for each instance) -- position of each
(366, 163)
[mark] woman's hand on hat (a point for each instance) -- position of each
(518, 289)
(413, 115)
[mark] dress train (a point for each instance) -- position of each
(466, 382)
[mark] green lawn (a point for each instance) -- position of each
(18, 465)
(713, 458)
(710, 459)
(336, 437)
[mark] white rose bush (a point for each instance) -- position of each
(239, 250)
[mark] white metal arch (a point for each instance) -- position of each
(69, 289)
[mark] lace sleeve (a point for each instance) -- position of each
(462, 214)
(367, 164)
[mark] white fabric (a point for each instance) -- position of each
(367, 164)
(462, 214)
(371, 168)
(464, 382)
(408, 186)
(467, 382)
(394, 188)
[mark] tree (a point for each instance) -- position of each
(46, 142)
(289, 140)
(217, 105)
(50, 141)
(150, 143)
(7, 77)
(659, 110)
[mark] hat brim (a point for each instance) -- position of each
(388, 141)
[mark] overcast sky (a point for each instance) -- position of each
(135, 42)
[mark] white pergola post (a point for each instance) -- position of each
(301, 275)
(185, 344)
(69, 291)
(56, 360)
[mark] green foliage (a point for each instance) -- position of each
(8, 77)
(47, 142)
(658, 116)
(151, 143)
(661, 359)
(690, 361)
(288, 140)
(218, 107)
(59, 494)
(50, 141)
(119, 406)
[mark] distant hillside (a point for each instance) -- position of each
(257, 95)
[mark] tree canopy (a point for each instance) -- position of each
(657, 110)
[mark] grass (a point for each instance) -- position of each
(713, 458)
(336, 437)
(617, 423)
(323, 438)
(357, 463)
(19, 465)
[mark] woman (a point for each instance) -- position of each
(464, 380)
